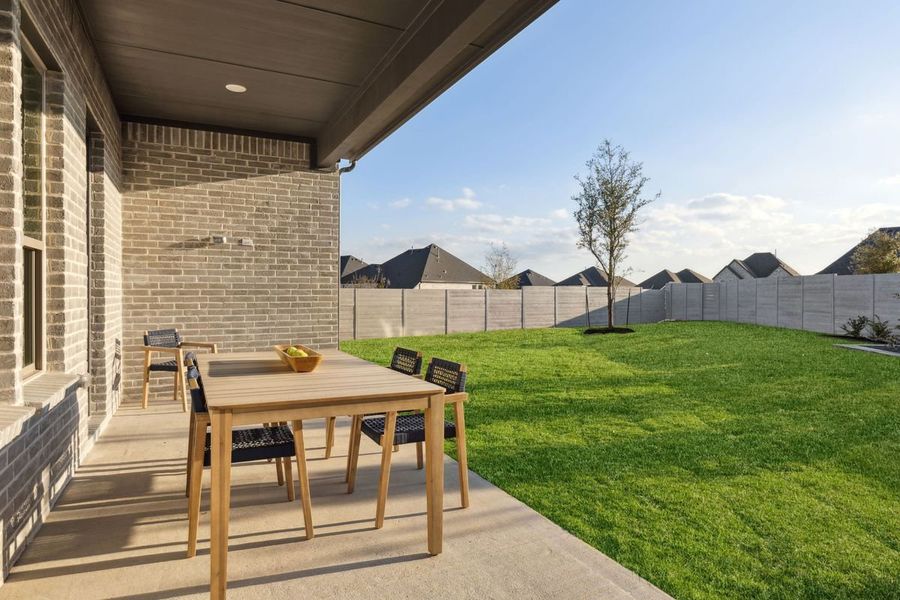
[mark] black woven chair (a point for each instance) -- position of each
(410, 428)
(271, 441)
(406, 361)
(168, 341)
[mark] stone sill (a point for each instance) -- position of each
(46, 390)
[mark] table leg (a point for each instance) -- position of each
(434, 472)
(303, 476)
(220, 468)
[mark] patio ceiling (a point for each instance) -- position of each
(344, 73)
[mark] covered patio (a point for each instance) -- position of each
(120, 531)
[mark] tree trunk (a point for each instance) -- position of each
(611, 307)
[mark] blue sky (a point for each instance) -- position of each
(767, 126)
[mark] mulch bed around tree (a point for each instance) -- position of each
(594, 330)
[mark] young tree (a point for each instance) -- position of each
(499, 267)
(879, 253)
(608, 203)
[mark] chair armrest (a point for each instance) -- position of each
(208, 345)
(458, 397)
(163, 349)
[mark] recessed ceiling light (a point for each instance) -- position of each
(235, 87)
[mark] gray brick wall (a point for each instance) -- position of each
(42, 452)
(180, 187)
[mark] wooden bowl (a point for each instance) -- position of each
(300, 364)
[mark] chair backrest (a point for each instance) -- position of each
(198, 397)
(408, 362)
(162, 338)
(449, 375)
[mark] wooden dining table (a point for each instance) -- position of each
(244, 388)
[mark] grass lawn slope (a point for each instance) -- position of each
(714, 459)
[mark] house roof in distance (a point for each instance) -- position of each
(844, 264)
(659, 280)
(351, 264)
(759, 265)
(592, 276)
(431, 264)
(530, 278)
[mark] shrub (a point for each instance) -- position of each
(855, 325)
(880, 330)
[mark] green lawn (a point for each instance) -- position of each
(714, 459)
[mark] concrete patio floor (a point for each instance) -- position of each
(120, 529)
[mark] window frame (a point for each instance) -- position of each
(37, 248)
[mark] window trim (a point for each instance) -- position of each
(39, 292)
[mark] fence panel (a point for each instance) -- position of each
(679, 302)
(465, 311)
(711, 302)
(504, 309)
(653, 306)
(731, 301)
(887, 304)
(818, 303)
(854, 295)
(345, 314)
(693, 301)
(538, 306)
(767, 301)
(424, 312)
(790, 302)
(571, 306)
(379, 313)
(746, 292)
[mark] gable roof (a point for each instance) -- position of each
(844, 264)
(659, 281)
(592, 276)
(430, 264)
(692, 276)
(758, 265)
(350, 264)
(530, 278)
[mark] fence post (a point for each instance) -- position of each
(354, 312)
(587, 305)
(522, 305)
(555, 318)
(802, 305)
(446, 312)
(486, 309)
(402, 312)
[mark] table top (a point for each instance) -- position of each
(259, 379)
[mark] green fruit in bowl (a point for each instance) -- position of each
(296, 352)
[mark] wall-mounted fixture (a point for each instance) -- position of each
(219, 239)
(246, 242)
(236, 88)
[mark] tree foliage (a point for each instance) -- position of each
(879, 253)
(499, 267)
(611, 195)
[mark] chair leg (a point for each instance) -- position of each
(353, 459)
(288, 478)
(175, 393)
(279, 471)
(182, 376)
(145, 398)
(387, 448)
(420, 461)
(329, 435)
(190, 455)
(195, 488)
(303, 475)
(462, 459)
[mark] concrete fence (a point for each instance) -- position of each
(376, 313)
(819, 303)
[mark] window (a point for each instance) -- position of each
(33, 185)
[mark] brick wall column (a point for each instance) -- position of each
(11, 220)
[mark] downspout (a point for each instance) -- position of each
(348, 168)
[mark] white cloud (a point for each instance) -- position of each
(465, 202)
(560, 213)
(891, 182)
(401, 203)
